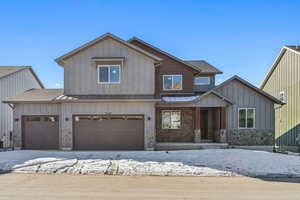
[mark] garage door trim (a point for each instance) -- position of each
(108, 116)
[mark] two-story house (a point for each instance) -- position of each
(13, 80)
(125, 95)
(283, 81)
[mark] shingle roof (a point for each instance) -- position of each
(294, 47)
(163, 52)
(57, 95)
(249, 85)
(6, 70)
(102, 37)
(204, 66)
(36, 95)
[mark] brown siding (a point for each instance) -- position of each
(170, 66)
(184, 134)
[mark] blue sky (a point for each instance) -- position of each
(238, 37)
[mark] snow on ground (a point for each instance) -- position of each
(210, 162)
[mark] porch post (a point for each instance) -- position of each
(197, 131)
(223, 138)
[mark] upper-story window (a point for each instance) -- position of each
(109, 73)
(202, 80)
(172, 82)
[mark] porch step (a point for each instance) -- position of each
(189, 146)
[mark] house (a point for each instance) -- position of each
(283, 81)
(13, 80)
(129, 95)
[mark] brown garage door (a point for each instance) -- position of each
(40, 132)
(115, 132)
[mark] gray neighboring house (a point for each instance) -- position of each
(130, 95)
(13, 80)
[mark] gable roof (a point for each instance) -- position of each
(183, 99)
(249, 85)
(165, 53)
(8, 70)
(60, 59)
(292, 48)
(36, 95)
(204, 66)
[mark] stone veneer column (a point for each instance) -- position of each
(66, 122)
(197, 131)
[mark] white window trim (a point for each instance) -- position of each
(246, 118)
(120, 72)
(172, 82)
(209, 81)
(171, 121)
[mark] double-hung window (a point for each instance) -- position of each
(171, 119)
(109, 73)
(172, 82)
(246, 118)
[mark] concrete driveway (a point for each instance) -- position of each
(40, 186)
(210, 162)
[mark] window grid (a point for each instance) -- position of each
(246, 118)
(172, 76)
(109, 66)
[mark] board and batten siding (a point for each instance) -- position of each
(81, 76)
(66, 111)
(10, 86)
(31, 109)
(244, 97)
(285, 77)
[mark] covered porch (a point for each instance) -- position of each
(192, 122)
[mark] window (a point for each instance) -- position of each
(202, 80)
(172, 82)
(282, 96)
(171, 119)
(109, 73)
(246, 118)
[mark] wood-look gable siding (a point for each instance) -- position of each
(137, 72)
(244, 97)
(10, 86)
(285, 77)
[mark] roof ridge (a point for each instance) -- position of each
(101, 37)
(163, 52)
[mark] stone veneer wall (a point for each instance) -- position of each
(184, 134)
(250, 137)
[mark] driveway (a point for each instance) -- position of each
(40, 186)
(210, 162)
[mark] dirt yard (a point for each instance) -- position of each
(41, 186)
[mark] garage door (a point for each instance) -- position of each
(40, 132)
(114, 132)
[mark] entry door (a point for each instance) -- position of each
(204, 124)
